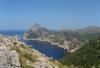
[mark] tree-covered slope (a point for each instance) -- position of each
(87, 56)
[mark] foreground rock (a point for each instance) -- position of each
(16, 54)
(8, 58)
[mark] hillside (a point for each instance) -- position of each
(67, 39)
(90, 29)
(16, 54)
(87, 56)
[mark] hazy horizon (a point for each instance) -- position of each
(52, 14)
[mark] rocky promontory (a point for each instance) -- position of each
(67, 39)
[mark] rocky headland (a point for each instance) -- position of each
(67, 39)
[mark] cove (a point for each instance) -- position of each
(46, 48)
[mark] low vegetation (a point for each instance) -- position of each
(29, 57)
(87, 56)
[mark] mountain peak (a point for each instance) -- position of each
(35, 24)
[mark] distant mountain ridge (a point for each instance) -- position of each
(90, 29)
(68, 39)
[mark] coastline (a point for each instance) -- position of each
(54, 44)
(66, 48)
(20, 55)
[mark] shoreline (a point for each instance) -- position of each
(13, 50)
(54, 44)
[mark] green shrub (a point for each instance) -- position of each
(85, 57)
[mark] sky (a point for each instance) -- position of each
(52, 14)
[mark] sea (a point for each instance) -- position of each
(45, 48)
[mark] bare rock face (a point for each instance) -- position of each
(8, 58)
(14, 56)
(37, 31)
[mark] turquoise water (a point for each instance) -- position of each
(44, 47)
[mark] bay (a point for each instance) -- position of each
(43, 47)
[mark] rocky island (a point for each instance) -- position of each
(16, 54)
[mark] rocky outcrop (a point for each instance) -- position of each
(37, 31)
(16, 54)
(8, 58)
